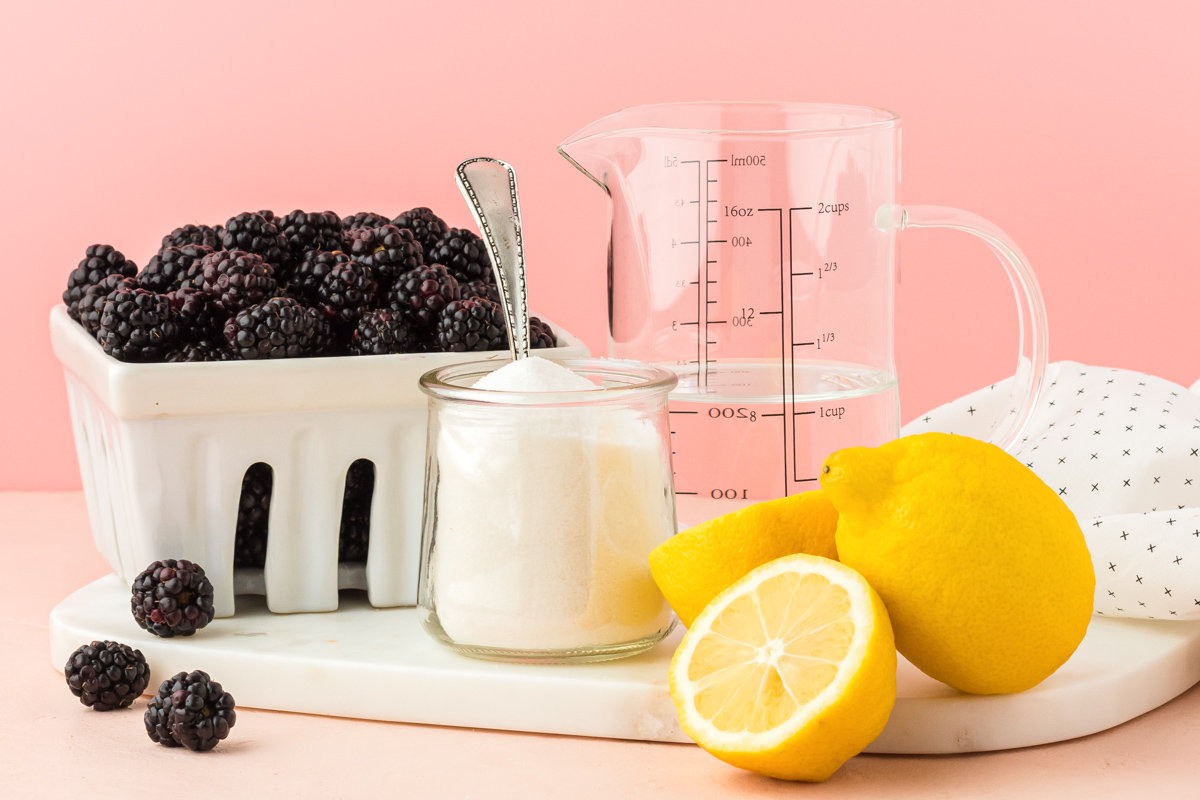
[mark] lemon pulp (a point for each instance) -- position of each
(771, 651)
(790, 671)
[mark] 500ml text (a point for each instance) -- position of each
(747, 161)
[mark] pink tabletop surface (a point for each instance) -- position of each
(51, 746)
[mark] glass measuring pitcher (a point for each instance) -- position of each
(753, 252)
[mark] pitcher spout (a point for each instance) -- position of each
(591, 151)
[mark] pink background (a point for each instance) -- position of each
(1071, 125)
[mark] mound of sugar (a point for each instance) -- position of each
(534, 374)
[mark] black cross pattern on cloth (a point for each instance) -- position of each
(1119, 474)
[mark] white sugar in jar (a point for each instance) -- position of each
(547, 486)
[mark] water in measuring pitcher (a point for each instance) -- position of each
(746, 439)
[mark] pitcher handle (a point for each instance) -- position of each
(1031, 311)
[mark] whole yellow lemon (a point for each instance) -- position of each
(696, 565)
(984, 570)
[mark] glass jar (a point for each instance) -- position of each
(541, 509)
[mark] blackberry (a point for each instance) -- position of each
(309, 272)
(258, 234)
(107, 675)
(254, 505)
(481, 289)
(472, 325)
(137, 325)
(172, 598)
(193, 277)
(200, 350)
(541, 335)
(198, 314)
(158, 716)
(271, 217)
(99, 261)
(355, 536)
(277, 328)
(346, 292)
(169, 265)
(239, 279)
(364, 219)
(316, 231)
(192, 710)
(91, 306)
(422, 294)
(387, 250)
(206, 235)
(426, 226)
(382, 332)
(328, 339)
(464, 254)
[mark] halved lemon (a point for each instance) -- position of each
(789, 672)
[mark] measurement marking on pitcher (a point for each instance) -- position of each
(702, 312)
(791, 266)
(699, 293)
(783, 357)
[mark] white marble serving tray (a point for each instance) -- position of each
(377, 663)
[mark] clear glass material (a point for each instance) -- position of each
(753, 252)
(541, 510)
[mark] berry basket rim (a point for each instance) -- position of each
(161, 390)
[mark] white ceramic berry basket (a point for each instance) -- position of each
(163, 449)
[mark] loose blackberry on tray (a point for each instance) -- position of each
(387, 250)
(167, 268)
(191, 710)
(99, 261)
(107, 675)
(427, 227)
(304, 231)
(382, 332)
(172, 598)
(277, 328)
(207, 235)
(237, 278)
(137, 325)
(464, 254)
(422, 294)
(259, 234)
(346, 292)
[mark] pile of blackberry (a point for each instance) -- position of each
(262, 285)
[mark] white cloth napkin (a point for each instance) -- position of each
(1122, 449)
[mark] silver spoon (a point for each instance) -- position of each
(490, 186)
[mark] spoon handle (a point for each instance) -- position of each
(490, 187)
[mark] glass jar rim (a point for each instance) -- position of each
(645, 379)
